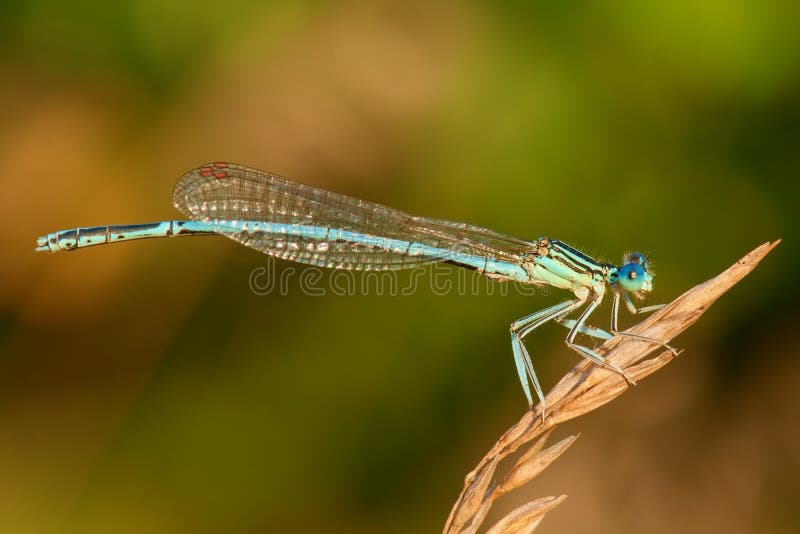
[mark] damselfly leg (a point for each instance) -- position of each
(635, 311)
(599, 333)
(521, 328)
(586, 352)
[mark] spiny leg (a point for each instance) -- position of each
(521, 328)
(599, 333)
(586, 352)
(585, 329)
(634, 311)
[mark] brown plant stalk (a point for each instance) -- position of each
(585, 388)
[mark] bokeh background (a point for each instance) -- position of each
(145, 388)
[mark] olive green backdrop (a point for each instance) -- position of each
(145, 388)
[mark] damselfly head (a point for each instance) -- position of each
(634, 275)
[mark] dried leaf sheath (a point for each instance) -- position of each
(585, 388)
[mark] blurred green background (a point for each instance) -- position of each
(145, 388)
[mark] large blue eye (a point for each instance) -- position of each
(631, 276)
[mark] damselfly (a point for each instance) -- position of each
(297, 222)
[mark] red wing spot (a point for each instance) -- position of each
(220, 175)
(205, 172)
(221, 165)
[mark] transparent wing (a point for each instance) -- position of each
(231, 192)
